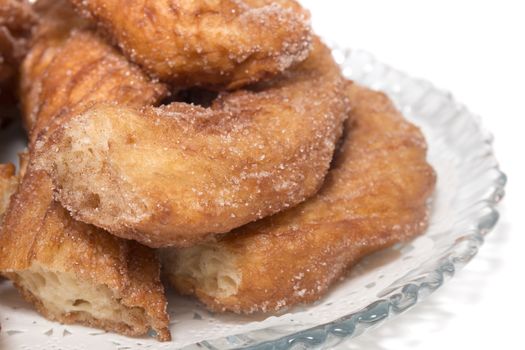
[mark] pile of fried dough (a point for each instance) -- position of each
(215, 142)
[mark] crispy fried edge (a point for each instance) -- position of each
(135, 201)
(8, 185)
(38, 230)
(223, 45)
(137, 270)
(294, 257)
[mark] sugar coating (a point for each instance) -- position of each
(374, 196)
(219, 44)
(175, 174)
(16, 22)
(70, 271)
(75, 273)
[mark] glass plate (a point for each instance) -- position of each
(381, 286)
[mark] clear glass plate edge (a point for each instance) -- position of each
(400, 298)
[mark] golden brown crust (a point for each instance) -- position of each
(176, 174)
(39, 236)
(17, 16)
(8, 185)
(225, 43)
(374, 196)
(38, 231)
(56, 20)
(16, 22)
(69, 67)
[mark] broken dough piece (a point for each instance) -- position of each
(75, 273)
(374, 196)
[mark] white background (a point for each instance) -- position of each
(476, 49)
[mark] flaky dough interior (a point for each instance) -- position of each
(62, 293)
(210, 268)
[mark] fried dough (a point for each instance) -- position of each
(16, 22)
(8, 184)
(70, 271)
(56, 21)
(69, 67)
(76, 273)
(176, 174)
(17, 17)
(374, 196)
(225, 43)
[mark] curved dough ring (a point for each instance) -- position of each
(220, 43)
(176, 174)
(69, 67)
(374, 196)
